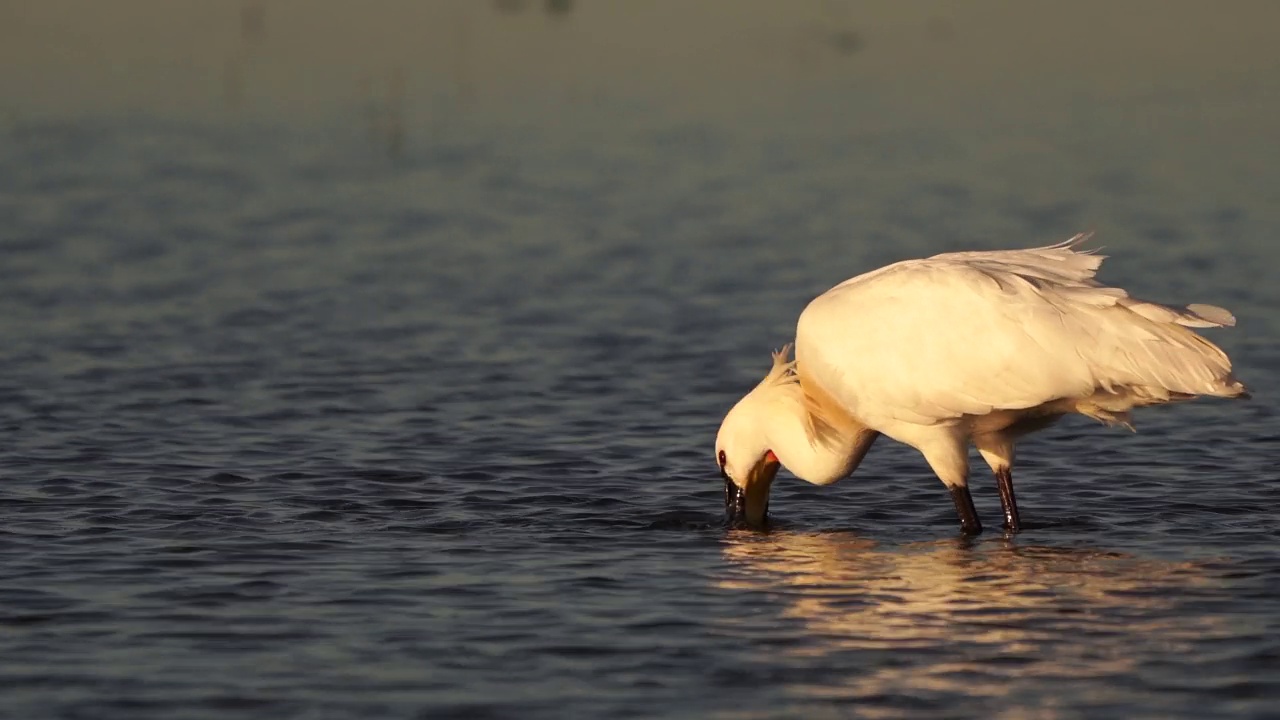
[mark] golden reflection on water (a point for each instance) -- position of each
(969, 616)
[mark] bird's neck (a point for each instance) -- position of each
(819, 459)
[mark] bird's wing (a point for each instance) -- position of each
(1062, 264)
(925, 341)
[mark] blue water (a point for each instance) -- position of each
(304, 422)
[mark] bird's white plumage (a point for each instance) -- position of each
(929, 341)
(969, 348)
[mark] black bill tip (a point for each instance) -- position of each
(735, 503)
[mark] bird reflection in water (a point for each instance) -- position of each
(954, 613)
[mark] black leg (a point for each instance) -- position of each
(969, 522)
(1004, 480)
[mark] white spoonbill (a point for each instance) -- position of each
(961, 348)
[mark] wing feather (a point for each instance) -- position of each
(924, 341)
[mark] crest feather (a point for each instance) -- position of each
(826, 420)
(783, 371)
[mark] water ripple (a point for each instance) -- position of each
(440, 447)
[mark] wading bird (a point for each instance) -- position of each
(962, 348)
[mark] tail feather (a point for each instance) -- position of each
(1142, 353)
(1195, 315)
(1210, 315)
(1158, 358)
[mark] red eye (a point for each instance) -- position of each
(721, 458)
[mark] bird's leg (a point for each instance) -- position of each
(945, 451)
(969, 522)
(997, 449)
(1004, 480)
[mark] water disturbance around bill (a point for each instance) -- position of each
(367, 362)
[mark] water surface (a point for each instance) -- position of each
(395, 395)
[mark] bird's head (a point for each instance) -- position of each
(747, 464)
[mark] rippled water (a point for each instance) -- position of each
(304, 423)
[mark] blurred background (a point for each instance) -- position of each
(369, 356)
(651, 137)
